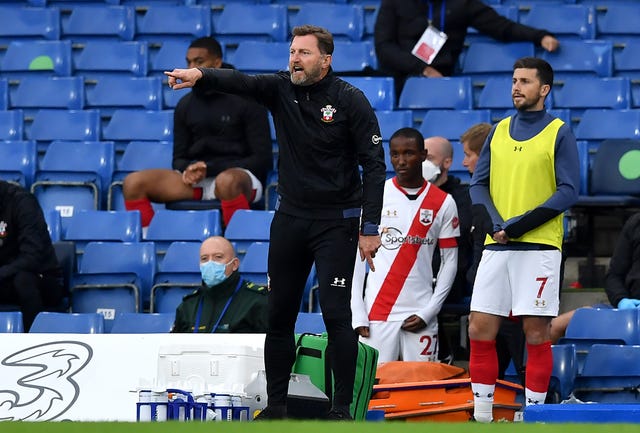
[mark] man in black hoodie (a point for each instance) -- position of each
(221, 149)
(326, 128)
(30, 276)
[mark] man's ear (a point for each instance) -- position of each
(217, 63)
(326, 61)
(545, 89)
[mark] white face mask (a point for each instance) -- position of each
(430, 171)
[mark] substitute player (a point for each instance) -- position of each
(526, 177)
(397, 314)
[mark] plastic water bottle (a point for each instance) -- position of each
(240, 411)
(144, 405)
(161, 400)
(222, 405)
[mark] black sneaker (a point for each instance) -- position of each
(272, 413)
(336, 414)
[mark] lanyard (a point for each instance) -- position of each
(224, 310)
(442, 11)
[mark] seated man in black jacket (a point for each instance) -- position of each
(221, 149)
(225, 302)
(30, 276)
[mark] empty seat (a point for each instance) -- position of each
(54, 225)
(18, 160)
(171, 97)
(379, 90)
(138, 155)
(113, 277)
(68, 323)
(143, 323)
(616, 170)
(451, 124)
(626, 58)
(260, 57)
(245, 21)
(11, 125)
(98, 225)
(600, 124)
(29, 23)
(581, 57)
(48, 92)
(564, 371)
(494, 94)
(581, 93)
(344, 21)
(168, 226)
(421, 93)
(76, 125)
(11, 322)
(131, 125)
(96, 58)
(617, 19)
(74, 175)
(82, 23)
(111, 93)
(167, 55)
(391, 121)
(309, 322)
(24, 58)
(509, 11)
(254, 263)
(160, 22)
(178, 275)
(564, 21)
(354, 57)
(247, 227)
(491, 57)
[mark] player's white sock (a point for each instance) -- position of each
(483, 402)
(532, 397)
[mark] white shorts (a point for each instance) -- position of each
(394, 344)
(526, 283)
(208, 186)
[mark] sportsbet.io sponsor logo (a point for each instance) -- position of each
(392, 239)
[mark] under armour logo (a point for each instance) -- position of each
(339, 282)
(532, 401)
(540, 303)
(517, 148)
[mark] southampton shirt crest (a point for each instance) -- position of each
(327, 113)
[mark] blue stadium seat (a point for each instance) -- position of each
(178, 275)
(168, 226)
(451, 124)
(254, 263)
(18, 160)
(67, 323)
(260, 57)
(491, 57)
(4, 94)
(509, 11)
(247, 227)
(29, 23)
(171, 97)
(564, 371)
(98, 21)
(494, 94)
(600, 124)
(309, 323)
(616, 169)
(138, 155)
(564, 21)
(344, 21)
(244, 21)
(113, 277)
(11, 125)
(387, 160)
(356, 56)
(581, 57)
(75, 175)
(611, 374)
(54, 225)
(167, 55)
(98, 58)
(379, 91)
(98, 225)
(579, 94)
(32, 93)
(590, 326)
(391, 121)
(112, 93)
(143, 323)
(161, 22)
(626, 58)
(421, 94)
(11, 322)
(76, 125)
(615, 18)
(24, 58)
(133, 125)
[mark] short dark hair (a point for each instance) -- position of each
(544, 71)
(412, 134)
(210, 44)
(324, 37)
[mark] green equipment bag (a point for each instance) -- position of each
(311, 360)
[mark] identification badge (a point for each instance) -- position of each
(429, 44)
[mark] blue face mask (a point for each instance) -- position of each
(213, 272)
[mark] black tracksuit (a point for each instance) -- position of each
(29, 273)
(324, 132)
